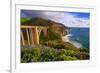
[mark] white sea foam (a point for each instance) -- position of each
(66, 38)
(75, 43)
(69, 35)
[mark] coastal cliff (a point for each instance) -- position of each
(43, 29)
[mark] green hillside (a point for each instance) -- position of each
(24, 20)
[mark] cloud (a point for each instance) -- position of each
(67, 18)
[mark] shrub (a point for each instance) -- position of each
(43, 53)
(58, 44)
(26, 55)
(76, 53)
(68, 58)
(81, 55)
(84, 50)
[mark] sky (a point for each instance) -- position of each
(69, 19)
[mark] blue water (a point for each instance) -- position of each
(80, 35)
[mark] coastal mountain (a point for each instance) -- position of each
(54, 26)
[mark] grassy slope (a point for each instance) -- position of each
(24, 19)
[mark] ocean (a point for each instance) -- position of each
(79, 37)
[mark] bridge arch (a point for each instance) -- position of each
(32, 33)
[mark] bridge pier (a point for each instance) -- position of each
(32, 33)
